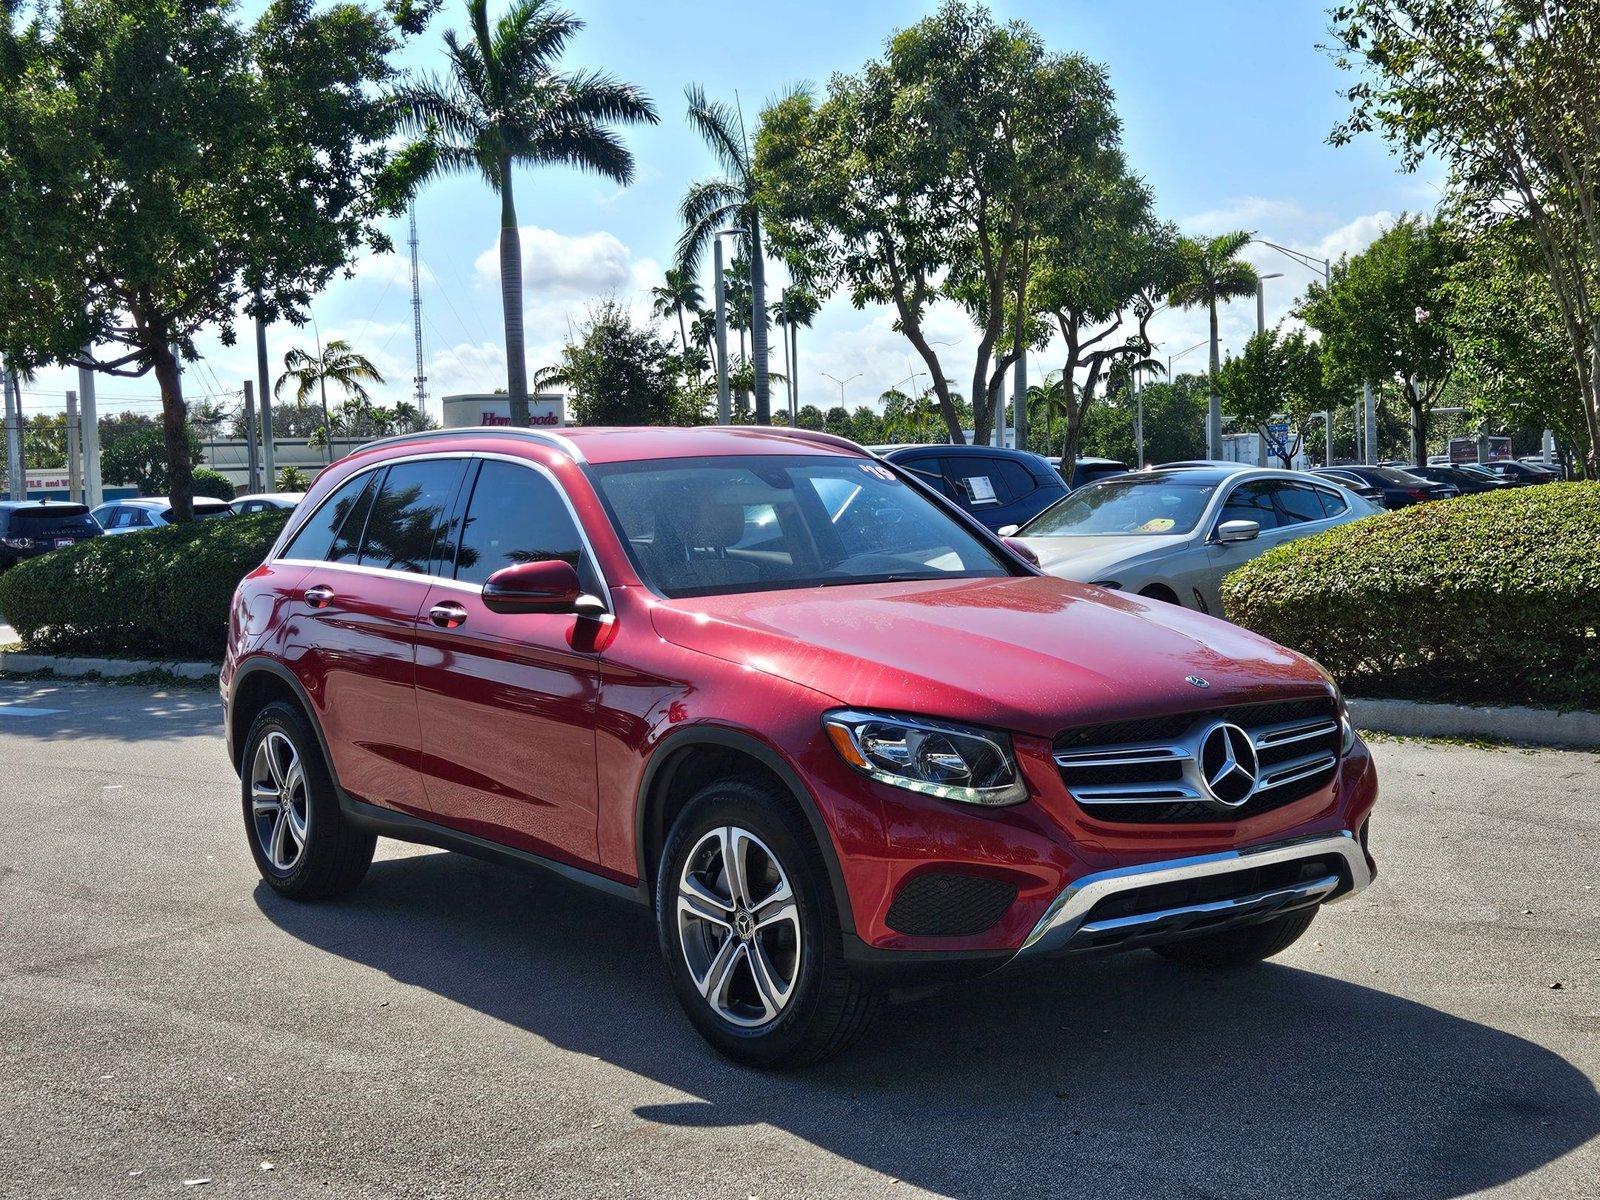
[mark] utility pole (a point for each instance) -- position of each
(1370, 422)
(74, 440)
(1327, 429)
(89, 426)
(724, 406)
(420, 380)
(1138, 423)
(1019, 400)
(16, 475)
(252, 462)
(269, 464)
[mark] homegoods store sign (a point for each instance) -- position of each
(547, 409)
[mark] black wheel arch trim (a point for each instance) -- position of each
(256, 666)
(663, 758)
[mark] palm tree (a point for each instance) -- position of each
(338, 363)
(795, 307)
(1214, 274)
(1055, 395)
(715, 204)
(504, 103)
(679, 294)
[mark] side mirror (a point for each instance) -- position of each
(1237, 531)
(551, 587)
(1021, 549)
(1006, 531)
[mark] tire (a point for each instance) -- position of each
(823, 1008)
(282, 754)
(1241, 947)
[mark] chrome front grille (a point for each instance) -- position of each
(1176, 769)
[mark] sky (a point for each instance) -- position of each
(1226, 108)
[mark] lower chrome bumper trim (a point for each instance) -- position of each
(1063, 925)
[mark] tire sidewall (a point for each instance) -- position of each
(749, 807)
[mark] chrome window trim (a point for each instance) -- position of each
(1064, 918)
(466, 457)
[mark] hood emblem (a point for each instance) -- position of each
(1197, 681)
(1229, 764)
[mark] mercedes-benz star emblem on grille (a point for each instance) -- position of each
(1197, 681)
(1228, 762)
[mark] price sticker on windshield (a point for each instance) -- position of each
(879, 471)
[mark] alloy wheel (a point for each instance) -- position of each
(278, 801)
(739, 926)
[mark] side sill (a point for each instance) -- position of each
(405, 828)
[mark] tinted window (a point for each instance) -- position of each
(516, 516)
(67, 520)
(719, 525)
(978, 480)
(315, 541)
(927, 469)
(1251, 502)
(1298, 504)
(1333, 504)
(409, 526)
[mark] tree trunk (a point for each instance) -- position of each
(511, 299)
(758, 322)
(794, 375)
(1214, 403)
(327, 420)
(175, 434)
(683, 332)
(1419, 425)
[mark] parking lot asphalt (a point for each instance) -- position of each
(170, 1026)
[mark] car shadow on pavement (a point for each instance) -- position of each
(1122, 1076)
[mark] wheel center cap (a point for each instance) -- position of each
(743, 923)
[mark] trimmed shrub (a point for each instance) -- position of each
(1493, 598)
(161, 593)
(214, 484)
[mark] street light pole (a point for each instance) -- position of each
(841, 383)
(724, 404)
(1261, 300)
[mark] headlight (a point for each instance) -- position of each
(937, 758)
(17, 543)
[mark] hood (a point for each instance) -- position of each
(1029, 653)
(1087, 559)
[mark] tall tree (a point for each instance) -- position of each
(728, 201)
(505, 103)
(162, 163)
(337, 363)
(922, 177)
(1502, 92)
(796, 307)
(1278, 377)
(1213, 274)
(677, 295)
(1385, 315)
(620, 373)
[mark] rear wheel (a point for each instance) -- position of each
(302, 844)
(1241, 947)
(749, 930)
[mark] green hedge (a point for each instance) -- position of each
(161, 593)
(1492, 598)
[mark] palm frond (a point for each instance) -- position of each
(593, 96)
(718, 124)
(707, 207)
(530, 36)
(584, 145)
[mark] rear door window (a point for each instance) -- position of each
(977, 480)
(1018, 481)
(316, 540)
(1297, 504)
(1333, 504)
(409, 526)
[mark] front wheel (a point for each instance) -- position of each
(749, 931)
(1241, 947)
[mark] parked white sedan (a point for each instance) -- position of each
(1175, 534)
(151, 512)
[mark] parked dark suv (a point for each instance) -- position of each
(997, 486)
(830, 729)
(30, 527)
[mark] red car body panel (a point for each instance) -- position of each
(539, 731)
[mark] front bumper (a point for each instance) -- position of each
(1159, 901)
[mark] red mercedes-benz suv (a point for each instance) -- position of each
(833, 731)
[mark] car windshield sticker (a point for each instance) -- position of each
(1157, 525)
(980, 488)
(879, 471)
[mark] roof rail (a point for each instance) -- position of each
(553, 440)
(804, 435)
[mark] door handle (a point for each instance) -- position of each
(448, 615)
(320, 596)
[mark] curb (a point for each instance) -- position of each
(105, 668)
(1515, 723)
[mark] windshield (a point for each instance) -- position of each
(710, 526)
(1143, 506)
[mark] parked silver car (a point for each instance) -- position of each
(1175, 534)
(151, 512)
(266, 502)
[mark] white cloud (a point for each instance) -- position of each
(1246, 212)
(586, 264)
(1356, 236)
